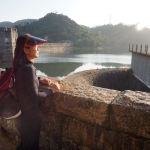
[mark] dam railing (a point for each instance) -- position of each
(138, 48)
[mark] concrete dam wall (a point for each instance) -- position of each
(141, 66)
(56, 47)
(86, 115)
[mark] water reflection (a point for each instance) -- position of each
(56, 69)
(84, 58)
(5, 64)
(60, 65)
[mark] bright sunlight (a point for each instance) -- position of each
(140, 26)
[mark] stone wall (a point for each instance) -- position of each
(8, 38)
(56, 47)
(7, 53)
(85, 117)
(141, 66)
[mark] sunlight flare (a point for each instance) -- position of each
(140, 26)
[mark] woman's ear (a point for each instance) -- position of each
(26, 50)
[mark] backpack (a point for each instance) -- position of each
(9, 107)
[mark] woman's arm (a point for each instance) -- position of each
(31, 83)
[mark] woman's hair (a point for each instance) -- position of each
(19, 54)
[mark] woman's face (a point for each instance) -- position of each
(32, 52)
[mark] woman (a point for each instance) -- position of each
(26, 84)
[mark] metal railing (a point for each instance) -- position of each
(138, 48)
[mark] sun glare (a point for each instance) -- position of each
(139, 26)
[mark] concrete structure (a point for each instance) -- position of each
(141, 64)
(8, 38)
(55, 47)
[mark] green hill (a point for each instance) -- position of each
(19, 22)
(58, 27)
(6, 24)
(121, 35)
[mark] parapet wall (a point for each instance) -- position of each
(85, 117)
(102, 119)
(141, 66)
(55, 47)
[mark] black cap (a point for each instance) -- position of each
(32, 40)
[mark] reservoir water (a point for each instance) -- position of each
(60, 65)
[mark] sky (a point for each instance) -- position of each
(90, 13)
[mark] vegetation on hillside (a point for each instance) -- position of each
(121, 35)
(58, 27)
(6, 24)
(19, 22)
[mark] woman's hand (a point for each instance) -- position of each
(55, 87)
(45, 81)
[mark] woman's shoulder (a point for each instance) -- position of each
(26, 67)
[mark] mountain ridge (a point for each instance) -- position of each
(12, 24)
(57, 27)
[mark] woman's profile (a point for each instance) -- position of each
(28, 95)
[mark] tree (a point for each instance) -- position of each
(59, 27)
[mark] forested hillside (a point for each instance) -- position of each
(58, 27)
(6, 24)
(19, 22)
(122, 35)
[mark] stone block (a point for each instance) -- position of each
(69, 145)
(87, 103)
(147, 145)
(130, 113)
(112, 140)
(78, 132)
(51, 130)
